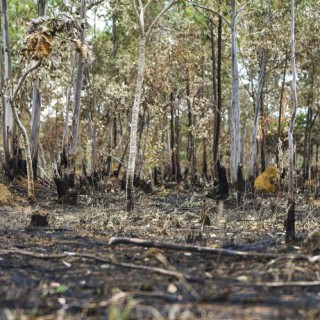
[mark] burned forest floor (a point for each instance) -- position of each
(70, 270)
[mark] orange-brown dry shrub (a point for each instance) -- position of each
(5, 196)
(268, 180)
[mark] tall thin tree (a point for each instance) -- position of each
(290, 220)
(140, 12)
(36, 108)
(7, 115)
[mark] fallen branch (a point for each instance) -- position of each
(207, 250)
(38, 255)
(189, 248)
(286, 284)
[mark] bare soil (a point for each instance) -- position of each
(67, 270)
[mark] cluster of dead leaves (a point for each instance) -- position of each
(81, 48)
(42, 30)
(39, 45)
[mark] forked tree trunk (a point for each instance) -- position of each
(290, 220)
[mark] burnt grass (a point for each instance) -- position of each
(67, 270)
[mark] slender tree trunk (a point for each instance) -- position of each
(134, 124)
(36, 109)
(140, 14)
(280, 109)
(42, 8)
(66, 188)
(7, 115)
(145, 141)
(308, 128)
(172, 137)
(177, 140)
(290, 221)
(204, 160)
(109, 142)
(190, 123)
(12, 101)
(191, 150)
(111, 117)
(305, 164)
(218, 106)
(214, 102)
(263, 137)
(258, 107)
(235, 134)
(68, 98)
(35, 124)
(92, 140)
(76, 116)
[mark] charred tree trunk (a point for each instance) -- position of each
(222, 191)
(218, 106)
(204, 160)
(290, 220)
(68, 160)
(35, 123)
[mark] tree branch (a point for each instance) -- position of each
(244, 6)
(23, 78)
(93, 4)
(135, 10)
(211, 10)
(170, 273)
(163, 11)
(188, 248)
